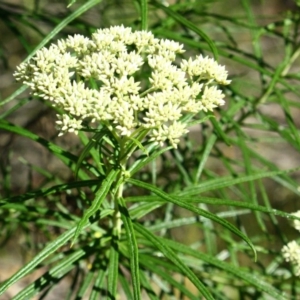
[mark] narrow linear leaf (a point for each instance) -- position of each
(212, 139)
(228, 202)
(144, 209)
(66, 157)
(215, 201)
(96, 292)
(85, 284)
(289, 118)
(9, 111)
(126, 286)
(99, 197)
(113, 269)
(140, 163)
(81, 9)
(133, 250)
(51, 277)
(87, 150)
(48, 250)
(194, 209)
(253, 279)
(171, 255)
(165, 274)
(14, 95)
(48, 191)
(230, 181)
(147, 286)
(218, 130)
(176, 16)
(174, 223)
(252, 194)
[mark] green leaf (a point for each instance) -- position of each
(96, 292)
(14, 95)
(85, 284)
(251, 206)
(99, 197)
(86, 150)
(147, 286)
(146, 159)
(48, 250)
(208, 147)
(194, 209)
(171, 255)
(126, 286)
(81, 9)
(154, 267)
(223, 182)
(253, 279)
(48, 191)
(133, 249)
(52, 276)
(113, 269)
(65, 156)
(9, 111)
(176, 16)
(289, 119)
(174, 223)
(144, 209)
(218, 130)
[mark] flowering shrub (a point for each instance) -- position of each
(97, 81)
(124, 213)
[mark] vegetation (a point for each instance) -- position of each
(143, 217)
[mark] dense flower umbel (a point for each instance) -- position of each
(291, 252)
(97, 80)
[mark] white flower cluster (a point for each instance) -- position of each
(291, 252)
(124, 80)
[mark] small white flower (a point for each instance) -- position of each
(124, 85)
(144, 41)
(79, 43)
(212, 97)
(291, 253)
(205, 68)
(127, 63)
(172, 133)
(124, 80)
(296, 223)
(171, 46)
(67, 124)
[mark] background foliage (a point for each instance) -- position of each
(239, 166)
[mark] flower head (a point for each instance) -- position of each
(296, 223)
(125, 80)
(291, 252)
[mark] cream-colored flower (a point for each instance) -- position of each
(205, 68)
(172, 133)
(296, 223)
(291, 253)
(67, 124)
(124, 80)
(212, 97)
